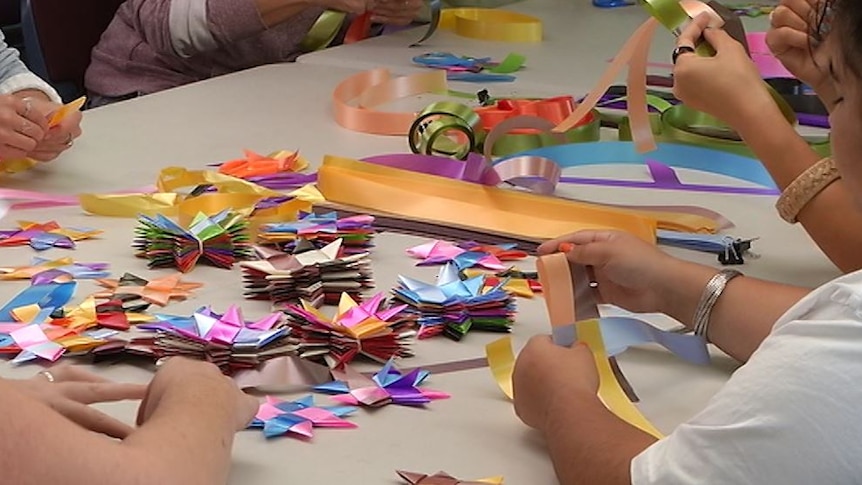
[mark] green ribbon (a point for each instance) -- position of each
(323, 31)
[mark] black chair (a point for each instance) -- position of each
(59, 36)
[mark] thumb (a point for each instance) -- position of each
(720, 40)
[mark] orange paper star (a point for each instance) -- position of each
(158, 291)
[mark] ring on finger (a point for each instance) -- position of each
(48, 375)
(69, 141)
(28, 106)
(680, 50)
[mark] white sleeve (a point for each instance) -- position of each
(788, 416)
(27, 80)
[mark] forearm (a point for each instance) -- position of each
(590, 445)
(738, 322)
(831, 218)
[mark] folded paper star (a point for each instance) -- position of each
(516, 282)
(467, 255)
(356, 232)
(316, 276)
(442, 478)
(256, 165)
(115, 314)
(368, 329)
(227, 340)
(42, 236)
(298, 418)
(158, 291)
(387, 386)
(220, 240)
(44, 270)
(454, 307)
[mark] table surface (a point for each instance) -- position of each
(475, 433)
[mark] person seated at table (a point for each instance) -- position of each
(740, 99)
(789, 415)
(187, 419)
(26, 102)
(153, 45)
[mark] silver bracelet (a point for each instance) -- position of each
(714, 288)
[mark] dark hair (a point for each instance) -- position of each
(842, 18)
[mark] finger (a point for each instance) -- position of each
(93, 419)
(93, 392)
(66, 373)
(45, 156)
(721, 41)
(784, 16)
(782, 40)
(694, 31)
(580, 237)
(11, 153)
(18, 141)
(593, 254)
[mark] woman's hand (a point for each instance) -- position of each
(630, 273)
(547, 377)
(727, 85)
(791, 40)
(220, 390)
(70, 390)
(395, 12)
(22, 127)
(58, 138)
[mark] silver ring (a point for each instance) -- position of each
(69, 141)
(28, 105)
(47, 375)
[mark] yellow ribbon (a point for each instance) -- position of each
(494, 25)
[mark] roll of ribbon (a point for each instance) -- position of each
(491, 24)
(431, 132)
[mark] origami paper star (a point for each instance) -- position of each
(298, 418)
(45, 236)
(158, 291)
(467, 255)
(387, 386)
(219, 240)
(516, 282)
(443, 478)
(43, 270)
(454, 307)
(227, 340)
(317, 276)
(366, 329)
(356, 232)
(113, 314)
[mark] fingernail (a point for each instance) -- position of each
(566, 247)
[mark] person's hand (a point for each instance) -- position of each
(70, 390)
(348, 6)
(395, 12)
(58, 138)
(727, 85)
(791, 42)
(22, 127)
(630, 273)
(547, 377)
(178, 372)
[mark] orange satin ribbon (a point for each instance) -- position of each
(355, 98)
(555, 110)
(416, 196)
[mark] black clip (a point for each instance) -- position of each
(484, 98)
(734, 251)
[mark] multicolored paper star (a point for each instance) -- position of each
(158, 291)
(44, 270)
(356, 232)
(298, 418)
(366, 329)
(42, 236)
(518, 283)
(443, 478)
(465, 255)
(454, 307)
(387, 386)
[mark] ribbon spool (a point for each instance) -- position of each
(432, 131)
(491, 24)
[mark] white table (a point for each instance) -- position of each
(472, 435)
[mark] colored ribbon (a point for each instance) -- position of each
(416, 196)
(355, 97)
(491, 24)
